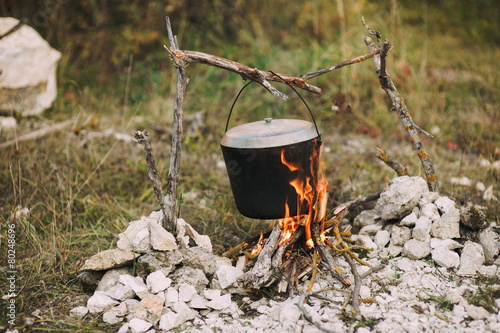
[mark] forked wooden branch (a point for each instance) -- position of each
(175, 155)
(399, 105)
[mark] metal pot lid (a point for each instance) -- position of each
(269, 133)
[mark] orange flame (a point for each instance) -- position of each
(260, 244)
(311, 193)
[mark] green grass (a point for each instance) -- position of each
(83, 191)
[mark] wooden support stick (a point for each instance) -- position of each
(399, 105)
(175, 155)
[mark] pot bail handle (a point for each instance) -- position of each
(232, 106)
(246, 85)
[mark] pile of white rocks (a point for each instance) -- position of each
(155, 282)
(413, 222)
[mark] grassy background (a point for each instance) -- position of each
(82, 189)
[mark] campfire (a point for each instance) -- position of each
(299, 243)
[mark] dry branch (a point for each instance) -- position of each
(154, 175)
(262, 271)
(401, 170)
(399, 105)
(352, 61)
(246, 72)
(175, 155)
(38, 133)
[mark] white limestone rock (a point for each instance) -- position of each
(185, 232)
(449, 244)
(137, 325)
(198, 257)
(422, 229)
(186, 292)
(149, 309)
(120, 292)
(100, 302)
(447, 226)
(415, 249)
(402, 195)
(123, 328)
(444, 204)
(394, 250)
(136, 237)
(490, 247)
(445, 257)
(111, 278)
(365, 218)
(161, 239)
(220, 303)
(400, 235)
(183, 311)
(137, 285)
(171, 296)
(170, 320)
(370, 230)
(489, 271)
(79, 312)
(409, 220)
(472, 259)
(189, 275)
(115, 314)
(475, 312)
(28, 67)
(430, 211)
(428, 197)
(157, 282)
(365, 241)
(227, 275)
(198, 302)
(108, 259)
(382, 237)
(211, 293)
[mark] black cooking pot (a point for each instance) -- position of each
(253, 155)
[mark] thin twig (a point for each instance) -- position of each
(142, 137)
(357, 284)
(352, 61)
(401, 170)
(371, 32)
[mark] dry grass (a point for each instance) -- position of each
(82, 190)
